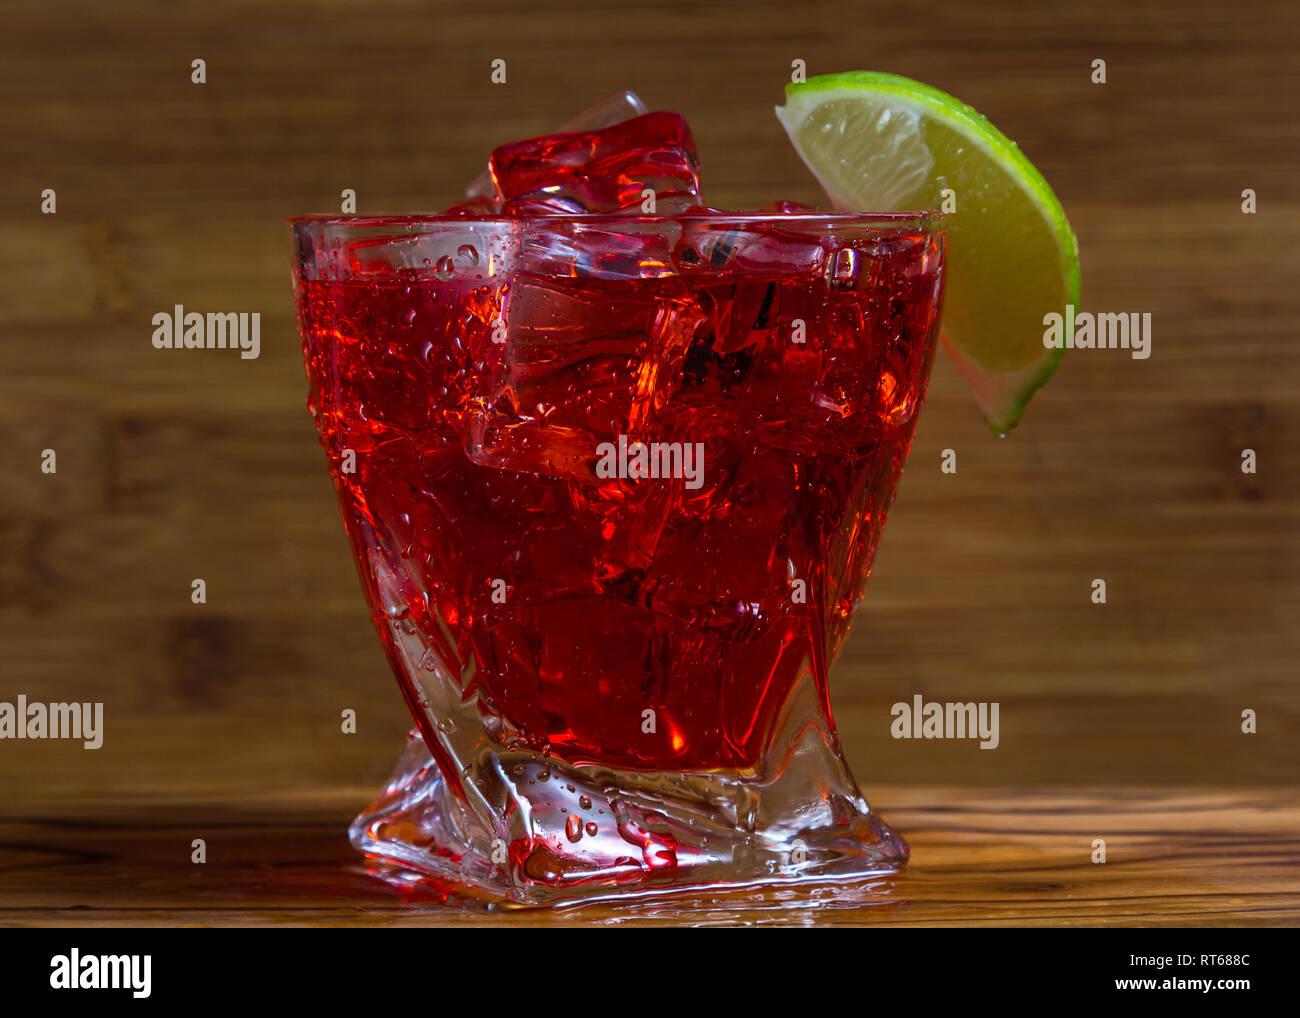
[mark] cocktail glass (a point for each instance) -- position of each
(613, 484)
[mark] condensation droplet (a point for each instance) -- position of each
(842, 270)
(444, 266)
(573, 828)
(469, 253)
(389, 586)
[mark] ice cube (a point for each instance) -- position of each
(868, 351)
(714, 241)
(572, 353)
(753, 284)
(579, 249)
(722, 559)
(738, 352)
(604, 170)
(618, 107)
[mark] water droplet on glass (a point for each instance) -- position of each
(573, 828)
(389, 586)
(584, 801)
(468, 253)
(592, 828)
(445, 266)
(842, 270)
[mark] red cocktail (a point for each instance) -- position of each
(614, 482)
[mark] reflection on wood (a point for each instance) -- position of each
(1181, 858)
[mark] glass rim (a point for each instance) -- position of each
(927, 220)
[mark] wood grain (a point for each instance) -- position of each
(988, 858)
(173, 466)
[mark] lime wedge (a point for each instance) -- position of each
(883, 143)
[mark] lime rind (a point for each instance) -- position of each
(1002, 395)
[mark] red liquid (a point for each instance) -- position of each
(571, 604)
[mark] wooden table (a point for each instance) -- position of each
(1000, 857)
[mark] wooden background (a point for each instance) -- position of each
(175, 465)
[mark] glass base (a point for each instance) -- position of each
(537, 831)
